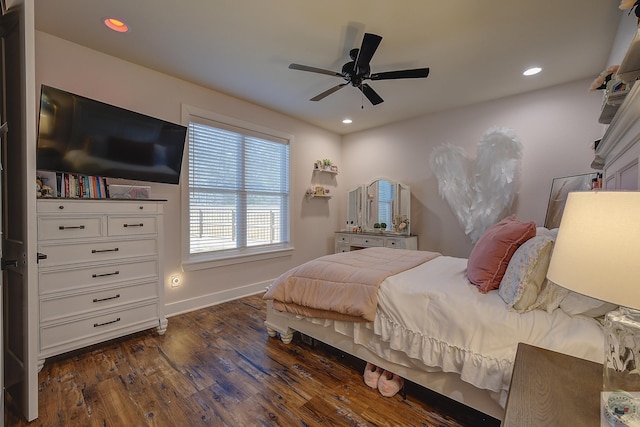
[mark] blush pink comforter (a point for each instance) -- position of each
(341, 286)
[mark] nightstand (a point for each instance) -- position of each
(553, 389)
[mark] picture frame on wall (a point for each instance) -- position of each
(560, 189)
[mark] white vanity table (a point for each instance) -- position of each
(368, 206)
(349, 241)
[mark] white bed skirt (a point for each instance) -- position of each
(341, 336)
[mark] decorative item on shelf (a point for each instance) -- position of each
(326, 164)
(327, 192)
(319, 190)
(600, 82)
(43, 189)
(311, 191)
(606, 223)
(596, 183)
(630, 5)
(401, 224)
(380, 226)
(334, 168)
(129, 191)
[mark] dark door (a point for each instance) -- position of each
(15, 308)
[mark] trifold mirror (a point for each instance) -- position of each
(381, 201)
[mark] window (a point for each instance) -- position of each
(238, 180)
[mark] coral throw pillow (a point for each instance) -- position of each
(491, 255)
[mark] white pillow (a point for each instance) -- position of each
(526, 274)
(574, 304)
(549, 297)
(542, 231)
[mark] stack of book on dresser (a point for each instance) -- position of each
(61, 184)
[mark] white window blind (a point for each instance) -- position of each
(238, 189)
(385, 202)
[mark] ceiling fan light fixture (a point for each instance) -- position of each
(116, 25)
(347, 121)
(532, 71)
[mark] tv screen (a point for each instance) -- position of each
(87, 137)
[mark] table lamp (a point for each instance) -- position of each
(597, 254)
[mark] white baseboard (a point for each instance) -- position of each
(202, 301)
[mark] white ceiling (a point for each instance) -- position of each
(476, 49)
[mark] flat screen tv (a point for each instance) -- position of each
(87, 137)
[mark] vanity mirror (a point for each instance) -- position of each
(354, 207)
(380, 201)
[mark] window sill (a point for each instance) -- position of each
(205, 261)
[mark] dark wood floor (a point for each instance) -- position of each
(218, 367)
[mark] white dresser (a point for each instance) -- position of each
(345, 241)
(99, 271)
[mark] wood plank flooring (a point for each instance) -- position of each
(217, 367)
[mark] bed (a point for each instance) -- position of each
(433, 326)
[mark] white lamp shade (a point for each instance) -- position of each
(597, 251)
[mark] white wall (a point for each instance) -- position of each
(556, 127)
(86, 72)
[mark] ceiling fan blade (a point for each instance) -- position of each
(401, 74)
(370, 43)
(328, 92)
(314, 70)
(371, 94)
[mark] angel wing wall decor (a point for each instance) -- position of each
(486, 196)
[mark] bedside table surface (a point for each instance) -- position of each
(553, 389)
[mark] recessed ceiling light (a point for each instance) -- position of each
(116, 25)
(532, 71)
(347, 121)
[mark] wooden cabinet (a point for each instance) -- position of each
(99, 271)
(552, 389)
(345, 241)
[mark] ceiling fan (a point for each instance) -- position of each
(356, 71)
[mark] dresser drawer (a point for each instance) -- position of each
(57, 307)
(339, 247)
(367, 241)
(96, 328)
(397, 243)
(86, 277)
(51, 228)
(342, 238)
(98, 251)
(131, 226)
(80, 206)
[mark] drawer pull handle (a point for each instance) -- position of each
(96, 325)
(97, 251)
(105, 274)
(106, 299)
(74, 227)
(134, 225)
